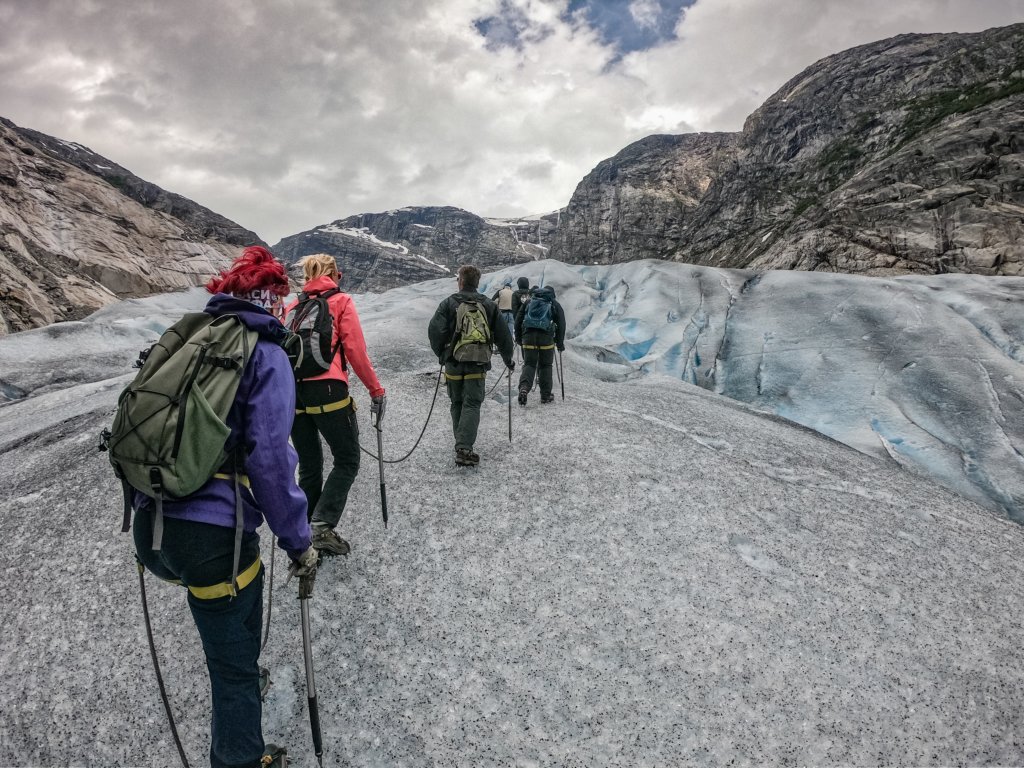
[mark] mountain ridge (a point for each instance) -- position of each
(78, 231)
(379, 251)
(898, 156)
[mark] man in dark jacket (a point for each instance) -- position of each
(521, 295)
(464, 348)
(540, 329)
(199, 536)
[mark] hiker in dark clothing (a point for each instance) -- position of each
(521, 295)
(464, 348)
(540, 329)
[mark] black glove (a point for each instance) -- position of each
(511, 365)
(561, 348)
(377, 405)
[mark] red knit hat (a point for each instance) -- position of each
(255, 276)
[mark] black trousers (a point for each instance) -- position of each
(538, 360)
(340, 430)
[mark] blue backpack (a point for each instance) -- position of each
(539, 314)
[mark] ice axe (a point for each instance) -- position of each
(305, 591)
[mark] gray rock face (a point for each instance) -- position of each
(378, 251)
(73, 239)
(637, 204)
(897, 157)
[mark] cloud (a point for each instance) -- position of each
(645, 13)
(283, 117)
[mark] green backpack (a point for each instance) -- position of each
(169, 433)
(472, 334)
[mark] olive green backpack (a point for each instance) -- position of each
(170, 431)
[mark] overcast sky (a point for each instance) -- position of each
(286, 115)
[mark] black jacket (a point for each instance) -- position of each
(558, 314)
(520, 298)
(442, 327)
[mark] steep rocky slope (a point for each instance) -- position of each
(378, 251)
(900, 156)
(77, 232)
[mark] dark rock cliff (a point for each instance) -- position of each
(900, 156)
(377, 251)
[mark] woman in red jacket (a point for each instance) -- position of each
(323, 407)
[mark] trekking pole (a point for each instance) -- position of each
(380, 464)
(305, 590)
(510, 406)
(561, 373)
(156, 668)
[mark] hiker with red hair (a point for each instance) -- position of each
(198, 547)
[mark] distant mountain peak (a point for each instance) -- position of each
(377, 251)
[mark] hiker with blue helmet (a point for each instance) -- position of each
(191, 540)
(539, 330)
(463, 333)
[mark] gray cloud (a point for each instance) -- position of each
(284, 116)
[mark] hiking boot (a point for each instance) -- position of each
(464, 457)
(547, 398)
(275, 757)
(522, 396)
(327, 542)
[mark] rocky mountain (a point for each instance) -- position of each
(78, 231)
(905, 155)
(378, 251)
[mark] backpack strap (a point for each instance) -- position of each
(239, 520)
(338, 348)
(126, 522)
(239, 466)
(158, 516)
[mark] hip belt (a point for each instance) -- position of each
(224, 588)
(315, 410)
(464, 377)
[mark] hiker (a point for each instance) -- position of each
(504, 298)
(520, 296)
(198, 545)
(462, 332)
(540, 329)
(323, 405)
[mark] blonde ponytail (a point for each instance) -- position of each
(317, 265)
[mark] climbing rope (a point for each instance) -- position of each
(423, 431)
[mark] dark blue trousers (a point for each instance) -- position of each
(200, 555)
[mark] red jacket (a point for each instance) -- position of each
(350, 332)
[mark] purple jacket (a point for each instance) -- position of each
(261, 419)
